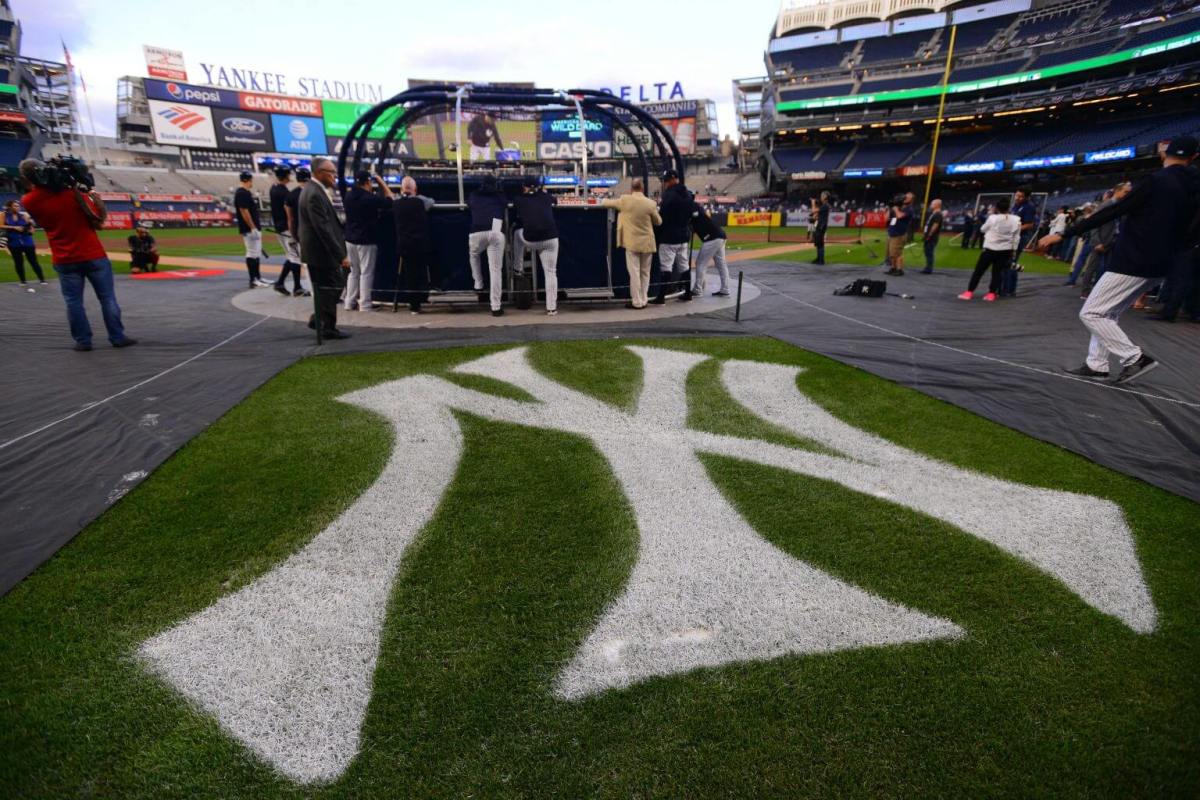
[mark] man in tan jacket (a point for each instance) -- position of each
(635, 233)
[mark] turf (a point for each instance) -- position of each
(1043, 697)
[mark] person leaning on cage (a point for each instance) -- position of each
(245, 205)
(410, 213)
(323, 247)
(368, 202)
(18, 234)
(1159, 220)
(487, 205)
(712, 249)
(536, 231)
(674, 236)
(281, 219)
(143, 251)
(70, 215)
(636, 219)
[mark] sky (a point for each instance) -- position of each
(703, 44)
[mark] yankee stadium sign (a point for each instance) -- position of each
(254, 80)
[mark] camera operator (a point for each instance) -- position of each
(900, 217)
(61, 200)
(819, 219)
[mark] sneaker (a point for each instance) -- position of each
(1086, 372)
(686, 297)
(83, 348)
(966, 296)
(261, 282)
(497, 312)
(722, 293)
(1137, 369)
(282, 290)
(990, 297)
(43, 283)
(926, 272)
(552, 313)
(334, 333)
(126, 342)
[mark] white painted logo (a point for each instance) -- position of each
(286, 664)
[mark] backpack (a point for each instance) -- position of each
(863, 287)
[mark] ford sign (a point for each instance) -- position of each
(243, 126)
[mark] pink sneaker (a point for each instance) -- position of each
(966, 296)
(990, 297)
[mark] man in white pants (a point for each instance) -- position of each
(712, 248)
(1160, 220)
(537, 231)
(365, 209)
(487, 205)
(246, 206)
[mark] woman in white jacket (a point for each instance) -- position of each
(1000, 232)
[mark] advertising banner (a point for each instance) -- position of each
(170, 198)
(244, 131)
(13, 116)
(1065, 160)
(683, 130)
(563, 126)
(754, 219)
(182, 124)
(119, 220)
(837, 219)
(975, 167)
(298, 134)
(909, 171)
(797, 218)
(668, 109)
(867, 219)
(172, 92)
(809, 175)
(623, 144)
(278, 104)
(339, 116)
(569, 151)
(115, 197)
(1115, 154)
(401, 148)
(184, 216)
(162, 62)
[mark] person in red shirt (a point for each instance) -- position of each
(70, 218)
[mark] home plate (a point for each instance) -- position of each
(177, 274)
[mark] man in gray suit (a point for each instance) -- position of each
(323, 246)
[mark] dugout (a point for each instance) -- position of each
(590, 265)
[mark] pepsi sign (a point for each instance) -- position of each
(174, 92)
(243, 131)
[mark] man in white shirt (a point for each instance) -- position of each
(1001, 234)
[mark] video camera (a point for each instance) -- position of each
(63, 172)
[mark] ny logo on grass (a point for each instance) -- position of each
(286, 664)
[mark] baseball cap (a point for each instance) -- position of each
(282, 172)
(245, 176)
(532, 180)
(362, 176)
(303, 173)
(670, 174)
(1182, 147)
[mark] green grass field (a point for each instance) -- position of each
(1044, 696)
(949, 255)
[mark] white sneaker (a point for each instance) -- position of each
(552, 313)
(261, 282)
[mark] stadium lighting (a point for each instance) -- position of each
(1020, 111)
(1097, 100)
(850, 127)
(1177, 88)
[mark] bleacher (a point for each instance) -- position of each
(812, 59)
(880, 155)
(831, 156)
(1051, 55)
(1146, 34)
(795, 159)
(809, 92)
(901, 47)
(984, 71)
(972, 35)
(902, 82)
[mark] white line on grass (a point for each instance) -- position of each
(1039, 370)
(137, 385)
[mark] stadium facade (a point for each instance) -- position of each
(1061, 92)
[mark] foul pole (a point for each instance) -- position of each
(937, 128)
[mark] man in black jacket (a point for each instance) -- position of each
(323, 246)
(364, 208)
(1158, 216)
(673, 236)
(819, 220)
(536, 230)
(410, 211)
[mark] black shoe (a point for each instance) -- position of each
(926, 272)
(497, 312)
(686, 296)
(281, 290)
(1086, 372)
(126, 342)
(301, 293)
(83, 348)
(334, 333)
(312, 326)
(1137, 369)
(629, 304)
(658, 301)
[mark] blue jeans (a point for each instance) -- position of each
(71, 278)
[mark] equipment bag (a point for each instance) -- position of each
(863, 287)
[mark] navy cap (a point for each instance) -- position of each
(303, 173)
(245, 176)
(1182, 147)
(670, 174)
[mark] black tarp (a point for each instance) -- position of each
(63, 459)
